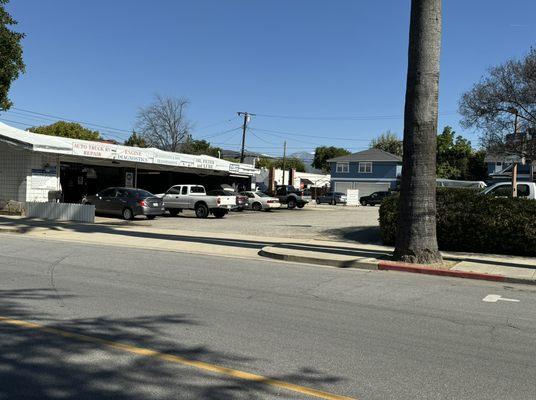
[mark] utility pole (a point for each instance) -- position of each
(247, 117)
(514, 167)
(284, 160)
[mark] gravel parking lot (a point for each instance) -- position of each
(312, 222)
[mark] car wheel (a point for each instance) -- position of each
(291, 204)
(318, 201)
(150, 217)
(173, 212)
(220, 213)
(333, 202)
(201, 211)
(363, 203)
(256, 207)
(301, 205)
(127, 214)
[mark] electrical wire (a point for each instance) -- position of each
(341, 118)
(309, 136)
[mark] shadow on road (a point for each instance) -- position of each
(41, 365)
(359, 234)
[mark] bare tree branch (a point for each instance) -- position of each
(163, 124)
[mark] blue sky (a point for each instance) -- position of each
(341, 64)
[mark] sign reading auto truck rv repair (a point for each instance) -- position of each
(110, 151)
(93, 149)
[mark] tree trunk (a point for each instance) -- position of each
(417, 239)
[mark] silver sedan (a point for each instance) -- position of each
(258, 201)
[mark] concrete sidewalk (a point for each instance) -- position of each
(342, 254)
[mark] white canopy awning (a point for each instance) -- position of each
(99, 150)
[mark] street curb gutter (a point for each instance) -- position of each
(383, 265)
(360, 264)
(405, 267)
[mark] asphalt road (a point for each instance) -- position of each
(368, 335)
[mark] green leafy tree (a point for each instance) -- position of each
(290, 163)
(476, 167)
(11, 63)
(200, 147)
(388, 142)
(295, 163)
(264, 162)
(324, 153)
(453, 155)
(135, 141)
(71, 130)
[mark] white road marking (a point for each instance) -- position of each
(494, 298)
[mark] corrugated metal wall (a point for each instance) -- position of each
(61, 211)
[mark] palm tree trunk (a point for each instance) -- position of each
(417, 240)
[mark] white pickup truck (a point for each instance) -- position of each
(194, 197)
(525, 190)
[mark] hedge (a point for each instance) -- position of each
(468, 221)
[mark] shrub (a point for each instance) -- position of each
(467, 221)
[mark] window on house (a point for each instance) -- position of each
(365, 167)
(343, 168)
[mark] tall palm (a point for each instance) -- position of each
(417, 240)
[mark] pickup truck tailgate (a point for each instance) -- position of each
(227, 200)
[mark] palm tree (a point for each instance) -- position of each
(417, 239)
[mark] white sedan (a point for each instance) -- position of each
(258, 201)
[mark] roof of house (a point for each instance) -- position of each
(492, 157)
(368, 155)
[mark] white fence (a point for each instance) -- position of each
(61, 211)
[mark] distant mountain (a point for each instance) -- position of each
(307, 158)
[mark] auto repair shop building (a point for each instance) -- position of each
(34, 168)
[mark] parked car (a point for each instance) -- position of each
(332, 198)
(373, 199)
(526, 190)
(241, 200)
(126, 202)
(258, 201)
(290, 196)
(194, 197)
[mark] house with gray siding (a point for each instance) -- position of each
(368, 171)
(500, 168)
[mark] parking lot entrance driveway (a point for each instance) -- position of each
(340, 223)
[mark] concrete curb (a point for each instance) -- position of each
(5, 229)
(359, 264)
(405, 267)
(383, 265)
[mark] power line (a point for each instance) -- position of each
(72, 120)
(310, 136)
(351, 118)
(32, 125)
(219, 133)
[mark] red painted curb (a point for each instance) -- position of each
(405, 267)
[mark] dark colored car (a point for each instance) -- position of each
(374, 198)
(126, 202)
(332, 198)
(290, 196)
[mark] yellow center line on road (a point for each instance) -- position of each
(214, 368)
